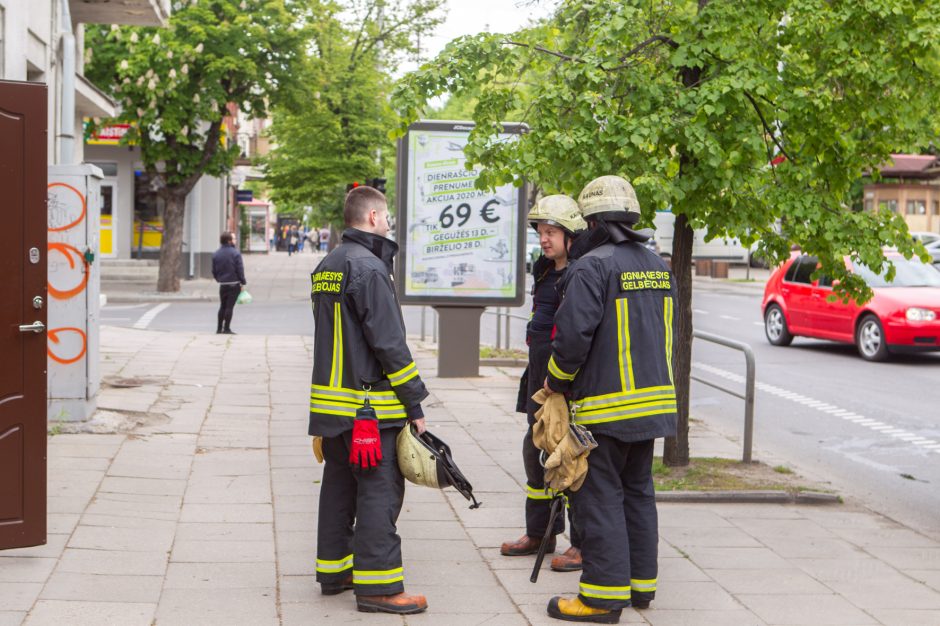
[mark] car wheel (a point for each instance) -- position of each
(775, 326)
(870, 339)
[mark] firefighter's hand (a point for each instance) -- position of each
(419, 425)
(547, 389)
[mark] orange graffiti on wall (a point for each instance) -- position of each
(68, 250)
(54, 338)
(81, 216)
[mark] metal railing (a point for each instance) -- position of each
(749, 382)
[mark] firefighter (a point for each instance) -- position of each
(557, 219)
(612, 357)
(360, 357)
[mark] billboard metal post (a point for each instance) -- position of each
(462, 249)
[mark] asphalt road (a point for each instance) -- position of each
(872, 430)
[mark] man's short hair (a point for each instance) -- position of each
(361, 200)
(226, 239)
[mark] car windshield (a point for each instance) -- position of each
(910, 273)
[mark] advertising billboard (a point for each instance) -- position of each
(459, 245)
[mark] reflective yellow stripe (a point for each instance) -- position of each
(604, 593)
(625, 413)
(332, 567)
(319, 405)
(403, 375)
(643, 585)
(378, 577)
(667, 320)
(402, 371)
(336, 373)
(623, 343)
(557, 372)
(617, 395)
(595, 403)
(538, 494)
(345, 394)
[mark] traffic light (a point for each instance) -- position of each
(378, 183)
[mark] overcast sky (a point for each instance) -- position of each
(467, 17)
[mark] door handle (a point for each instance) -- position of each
(36, 327)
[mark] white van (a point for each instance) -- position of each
(731, 250)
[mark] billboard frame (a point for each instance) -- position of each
(402, 225)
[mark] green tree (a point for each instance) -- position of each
(336, 131)
(737, 116)
(176, 84)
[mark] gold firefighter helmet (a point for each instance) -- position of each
(558, 210)
(426, 460)
(609, 194)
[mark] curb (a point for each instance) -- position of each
(504, 362)
(749, 497)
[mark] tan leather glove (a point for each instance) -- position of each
(318, 448)
(551, 426)
(567, 465)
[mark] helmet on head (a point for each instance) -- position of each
(558, 210)
(426, 460)
(610, 194)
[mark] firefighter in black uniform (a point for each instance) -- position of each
(612, 357)
(557, 219)
(360, 356)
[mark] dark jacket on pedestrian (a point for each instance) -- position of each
(613, 348)
(227, 267)
(359, 339)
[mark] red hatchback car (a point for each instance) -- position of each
(902, 316)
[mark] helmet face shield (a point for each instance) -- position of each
(560, 211)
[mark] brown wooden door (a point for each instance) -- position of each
(22, 279)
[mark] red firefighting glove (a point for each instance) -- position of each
(366, 449)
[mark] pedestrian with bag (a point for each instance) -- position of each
(365, 389)
(612, 357)
(557, 219)
(229, 272)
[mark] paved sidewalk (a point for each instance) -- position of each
(205, 513)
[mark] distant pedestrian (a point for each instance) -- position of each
(228, 271)
(301, 239)
(324, 239)
(293, 238)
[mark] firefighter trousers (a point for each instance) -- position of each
(356, 533)
(616, 509)
(538, 502)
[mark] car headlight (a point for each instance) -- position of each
(917, 314)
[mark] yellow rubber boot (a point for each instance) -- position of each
(573, 610)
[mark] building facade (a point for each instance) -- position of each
(910, 186)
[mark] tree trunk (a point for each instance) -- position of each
(171, 247)
(676, 449)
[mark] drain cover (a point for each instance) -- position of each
(132, 381)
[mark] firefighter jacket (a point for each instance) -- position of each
(613, 348)
(359, 339)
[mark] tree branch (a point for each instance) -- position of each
(545, 50)
(767, 128)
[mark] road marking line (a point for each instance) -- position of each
(147, 317)
(824, 407)
(728, 317)
(758, 323)
(700, 311)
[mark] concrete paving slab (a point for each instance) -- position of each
(12, 618)
(19, 596)
(18, 569)
(229, 531)
(787, 581)
(222, 513)
(905, 617)
(90, 613)
(220, 576)
(114, 562)
(811, 610)
(103, 588)
(667, 617)
(186, 607)
(222, 552)
(125, 539)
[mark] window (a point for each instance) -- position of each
(916, 207)
(801, 270)
(869, 204)
(108, 169)
(936, 207)
(891, 205)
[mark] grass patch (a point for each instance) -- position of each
(714, 474)
(742, 280)
(489, 352)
